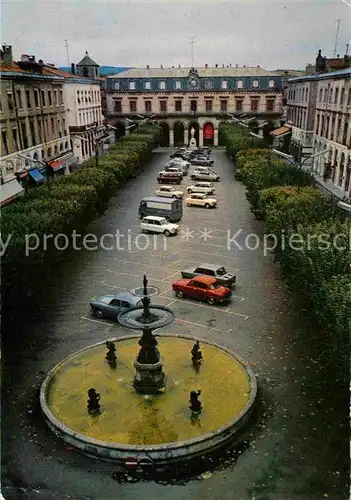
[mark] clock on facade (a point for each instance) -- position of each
(193, 83)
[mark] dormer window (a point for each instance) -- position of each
(131, 85)
(240, 84)
(255, 84)
(117, 86)
(147, 85)
(162, 85)
(178, 84)
(224, 84)
(271, 84)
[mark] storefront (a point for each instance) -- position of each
(10, 191)
(62, 164)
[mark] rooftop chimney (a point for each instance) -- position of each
(147, 66)
(338, 56)
(216, 65)
(244, 66)
(161, 66)
(73, 69)
(24, 58)
(230, 65)
(6, 54)
(178, 65)
(222, 65)
(206, 65)
(236, 65)
(258, 66)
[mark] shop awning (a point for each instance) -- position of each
(281, 131)
(57, 164)
(36, 175)
(10, 191)
(61, 162)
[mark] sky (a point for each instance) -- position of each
(273, 34)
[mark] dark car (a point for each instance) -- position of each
(201, 160)
(110, 306)
(214, 270)
(180, 154)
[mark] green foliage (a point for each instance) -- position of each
(236, 139)
(312, 239)
(70, 202)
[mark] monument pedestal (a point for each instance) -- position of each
(192, 143)
(149, 378)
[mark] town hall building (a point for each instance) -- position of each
(180, 99)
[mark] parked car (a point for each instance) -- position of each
(200, 200)
(182, 170)
(205, 176)
(110, 306)
(202, 288)
(169, 192)
(167, 208)
(201, 160)
(214, 271)
(169, 178)
(237, 174)
(178, 162)
(180, 154)
(198, 152)
(156, 224)
(201, 187)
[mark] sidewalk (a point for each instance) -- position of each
(327, 186)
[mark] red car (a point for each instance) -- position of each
(202, 288)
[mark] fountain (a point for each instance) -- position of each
(149, 410)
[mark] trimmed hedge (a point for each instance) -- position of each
(312, 240)
(71, 202)
(235, 139)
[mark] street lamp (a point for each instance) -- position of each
(96, 141)
(299, 163)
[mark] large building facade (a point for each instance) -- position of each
(34, 130)
(319, 112)
(180, 99)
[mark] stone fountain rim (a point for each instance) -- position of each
(60, 429)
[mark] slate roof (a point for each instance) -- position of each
(184, 72)
(87, 61)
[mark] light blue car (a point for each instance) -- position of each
(110, 306)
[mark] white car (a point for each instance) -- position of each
(155, 224)
(201, 200)
(181, 170)
(204, 176)
(199, 170)
(201, 187)
(180, 162)
(169, 192)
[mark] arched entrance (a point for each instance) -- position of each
(178, 134)
(164, 136)
(208, 133)
(267, 129)
(196, 128)
(120, 130)
(254, 127)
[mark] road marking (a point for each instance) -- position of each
(168, 290)
(113, 286)
(212, 254)
(95, 321)
(180, 320)
(168, 305)
(211, 308)
(170, 276)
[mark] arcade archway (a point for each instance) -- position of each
(195, 126)
(267, 129)
(164, 135)
(120, 130)
(208, 134)
(178, 134)
(254, 127)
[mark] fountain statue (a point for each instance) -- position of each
(111, 353)
(149, 377)
(195, 404)
(93, 401)
(192, 143)
(196, 353)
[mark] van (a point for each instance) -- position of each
(169, 208)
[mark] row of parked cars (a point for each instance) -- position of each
(208, 282)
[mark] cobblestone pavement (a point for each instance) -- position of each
(294, 451)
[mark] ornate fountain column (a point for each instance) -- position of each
(149, 376)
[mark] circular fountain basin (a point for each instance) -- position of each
(158, 427)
